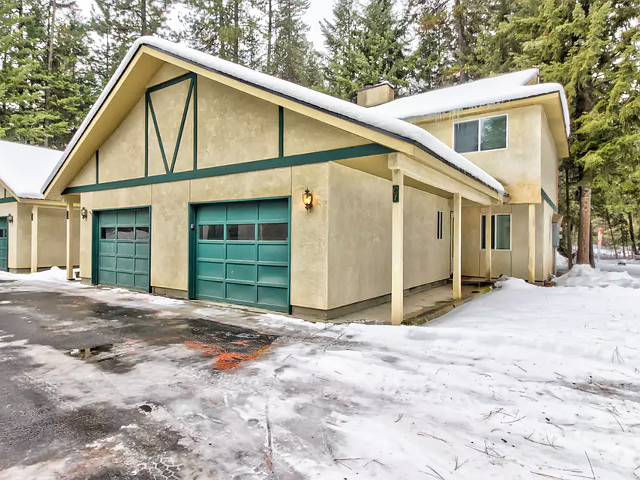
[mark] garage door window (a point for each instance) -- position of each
(3, 233)
(273, 232)
(211, 232)
(125, 233)
(241, 232)
(142, 233)
(108, 233)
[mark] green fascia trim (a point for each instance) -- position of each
(290, 161)
(8, 200)
(97, 167)
(548, 200)
(281, 131)
(194, 82)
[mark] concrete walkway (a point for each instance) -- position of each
(419, 307)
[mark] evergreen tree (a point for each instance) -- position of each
(342, 39)
(294, 58)
(381, 54)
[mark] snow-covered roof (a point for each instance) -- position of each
(488, 91)
(25, 169)
(337, 107)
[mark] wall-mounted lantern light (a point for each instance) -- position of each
(84, 213)
(10, 218)
(307, 199)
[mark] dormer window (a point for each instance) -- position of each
(480, 135)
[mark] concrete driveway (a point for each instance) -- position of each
(122, 364)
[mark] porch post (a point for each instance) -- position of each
(397, 248)
(487, 244)
(532, 243)
(70, 232)
(457, 246)
(34, 239)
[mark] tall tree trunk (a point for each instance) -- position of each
(567, 220)
(613, 237)
(592, 260)
(269, 36)
(52, 29)
(236, 35)
(584, 234)
(461, 40)
(634, 247)
(143, 16)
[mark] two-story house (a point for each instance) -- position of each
(202, 179)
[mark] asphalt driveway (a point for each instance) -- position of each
(125, 363)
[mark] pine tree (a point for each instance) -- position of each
(342, 39)
(381, 54)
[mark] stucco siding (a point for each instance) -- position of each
(360, 237)
(549, 162)
(518, 167)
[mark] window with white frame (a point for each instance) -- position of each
(440, 227)
(500, 231)
(480, 135)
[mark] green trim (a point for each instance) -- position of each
(97, 167)
(281, 132)
(290, 161)
(8, 200)
(173, 81)
(192, 78)
(548, 200)
(194, 83)
(191, 284)
(146, 134)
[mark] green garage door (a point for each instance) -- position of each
(4, 244)
(123, 248)
(242, 253)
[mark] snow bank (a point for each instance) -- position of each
(24, 169)
(585, 276)
(336, 106)
(53, 275)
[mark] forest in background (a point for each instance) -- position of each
(54, 62)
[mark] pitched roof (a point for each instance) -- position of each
(24, 169)
(479, 93)
(346, 110)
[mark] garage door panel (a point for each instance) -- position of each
(212, 213)
(107, 248)
(126, 248)
(236, 271)
(108, 263)
(241, 252)
(212, 290)
(141, 265)
(125, 263)
(142, 250)
(211, 250)
(107, 277)
(4, 244)
(124, 279)
(272, 296)
(273, 253)
(241, 293)
(141, 281)
(211, 270)
(126, 217)
(108, 218)
(273, 275)
(242, 211)
(274, 211)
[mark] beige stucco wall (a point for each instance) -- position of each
(549, 161)
(512, 262)
(51, 239)
(360, 237)
(519, 166)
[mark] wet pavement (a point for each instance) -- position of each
(96, 426)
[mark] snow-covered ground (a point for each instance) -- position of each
(523, 382)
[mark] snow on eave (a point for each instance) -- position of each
(24, 169)
(368, 118)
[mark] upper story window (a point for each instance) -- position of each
(480, 135)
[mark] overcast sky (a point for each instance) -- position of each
(319, 10)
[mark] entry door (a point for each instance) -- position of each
(123, 248)
(4, 244)
(242, 253)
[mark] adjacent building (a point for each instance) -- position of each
(33, 230)
(201, 179)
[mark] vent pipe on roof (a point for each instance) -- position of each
(373, 95)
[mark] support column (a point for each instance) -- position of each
(457, 246)
(397, 249)
(34, 239)
(70, 234)
(487, 242)
(532, 243)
